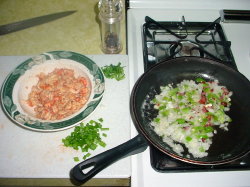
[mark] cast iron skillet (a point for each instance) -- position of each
(227, 145)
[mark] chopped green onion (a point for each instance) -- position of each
(101, 143)
(206, 89)
(176, 110)
(114, 71)
(166, 98)
(180, 120)
(202, 136)
(173, 91)
(86, 156)
(201, 149)
(104, 129)
(162, 107)
(198, 129)
(76, 159)
(181, 104)
(186, 109)
(188, 138)
(209, 129)
(154, 100)
(199, 80)
(86, 137)
(180, 97)
(204, 121)
(93, 146)
(165, 112)
(157, 120)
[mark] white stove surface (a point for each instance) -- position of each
(143, 175)
(190, 4)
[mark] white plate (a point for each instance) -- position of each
(19, 82)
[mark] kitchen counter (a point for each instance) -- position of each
(79, 33)
(40, 158)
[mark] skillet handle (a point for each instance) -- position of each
(99, 162)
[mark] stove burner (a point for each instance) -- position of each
(166, 40)
(186, 48)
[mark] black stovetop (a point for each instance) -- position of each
(174, 39)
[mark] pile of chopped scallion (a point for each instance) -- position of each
(86, 137)
(114, 71)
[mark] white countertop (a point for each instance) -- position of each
(29, 154)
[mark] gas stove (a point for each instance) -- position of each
(167, 40)
(193, 30)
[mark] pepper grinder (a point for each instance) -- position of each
(110, 15)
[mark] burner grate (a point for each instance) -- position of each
(166, 40)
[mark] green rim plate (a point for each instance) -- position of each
(9, 95)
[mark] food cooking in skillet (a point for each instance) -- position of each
(189, 113)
